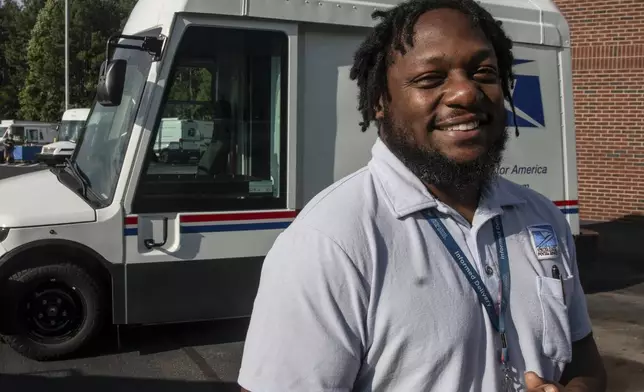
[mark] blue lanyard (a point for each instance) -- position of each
(497, 318)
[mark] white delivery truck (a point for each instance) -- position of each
(179, 140)
(135, 241)
(27, 133)
(69, 131)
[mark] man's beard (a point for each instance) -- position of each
(434, 168)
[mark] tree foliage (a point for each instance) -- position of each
(16, 23)
(32, 53)
(190, 95)
(91, 23)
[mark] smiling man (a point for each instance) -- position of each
(424, 271)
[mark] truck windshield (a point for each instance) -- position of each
(101, 148)
(69, 131)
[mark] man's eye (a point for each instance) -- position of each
(429, 81)
(486, 74)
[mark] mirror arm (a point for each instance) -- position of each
(152, 45)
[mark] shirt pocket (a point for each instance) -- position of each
(556, 339)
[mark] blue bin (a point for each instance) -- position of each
(26, 153)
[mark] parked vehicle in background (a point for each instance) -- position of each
(182, 141)
(69, 132)
(27, 133)
(135, 240)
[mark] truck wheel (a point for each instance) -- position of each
(55, 310)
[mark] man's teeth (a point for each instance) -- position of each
(463, 127)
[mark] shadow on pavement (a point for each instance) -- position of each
(153, 339)
(16, 170)
(617, 261)
(73, 381)
(623, 375)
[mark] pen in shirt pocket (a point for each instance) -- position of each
(557, 275)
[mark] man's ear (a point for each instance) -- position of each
(380, 112)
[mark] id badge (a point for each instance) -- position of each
(506, 383)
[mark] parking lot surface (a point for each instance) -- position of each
(182, 357)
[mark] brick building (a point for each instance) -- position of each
(608, 80)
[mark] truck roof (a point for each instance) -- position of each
(77, 114)
(528, 21)
(6, 123)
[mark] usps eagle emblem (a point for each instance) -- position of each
(544, 241)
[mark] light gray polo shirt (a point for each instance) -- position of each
(360, 294)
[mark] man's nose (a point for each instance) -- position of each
(461, 91)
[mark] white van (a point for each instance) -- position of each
(134, 240)
(69, 131)
(27, 132)
(180, 140)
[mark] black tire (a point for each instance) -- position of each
(63, 297)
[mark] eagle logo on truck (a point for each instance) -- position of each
(527, 96)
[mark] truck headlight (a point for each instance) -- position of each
(4, 232)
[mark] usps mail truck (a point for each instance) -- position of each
(69, 130)
(135, 240)
(27, 132)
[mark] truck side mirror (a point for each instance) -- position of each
(111, 82)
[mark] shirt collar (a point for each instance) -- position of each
(405, 194)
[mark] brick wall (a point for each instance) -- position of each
(608, 82)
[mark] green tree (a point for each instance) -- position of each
(91, 23)
(190, 94)
(16, 23)
(3, 39)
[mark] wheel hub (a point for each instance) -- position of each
(52, 312)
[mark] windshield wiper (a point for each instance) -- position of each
(80, 176)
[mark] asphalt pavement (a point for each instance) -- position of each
(182, 357)
(206, 356)
(10, 170)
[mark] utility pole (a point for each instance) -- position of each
(66, 54)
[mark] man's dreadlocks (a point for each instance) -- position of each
(396, 32)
